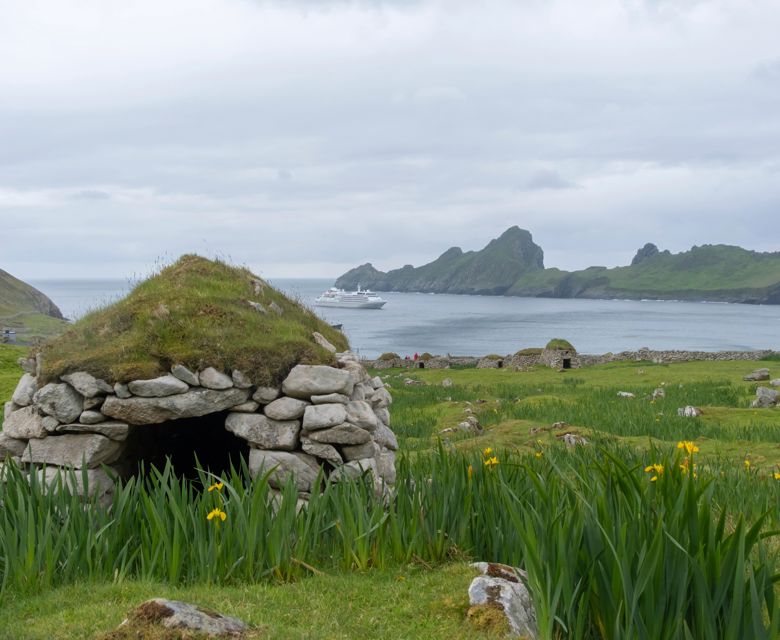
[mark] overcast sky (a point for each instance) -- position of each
(304, 138)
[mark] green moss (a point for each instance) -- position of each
(530, 351)
(493, 356)
(426, 356)
(559, 344)
(388, 356)
(195, 312)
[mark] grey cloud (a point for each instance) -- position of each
(384, 131)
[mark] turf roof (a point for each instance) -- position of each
(196, 312)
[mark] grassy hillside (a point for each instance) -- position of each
(352, 565)
(27, 311)
(195, 312)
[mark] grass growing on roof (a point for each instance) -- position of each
(195, 312)
(560, 344)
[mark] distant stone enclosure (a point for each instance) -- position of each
(333, 420)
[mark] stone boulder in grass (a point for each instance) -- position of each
(202, 360)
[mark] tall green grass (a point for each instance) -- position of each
(609, 554)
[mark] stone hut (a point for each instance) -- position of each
(257, 375)
(559, 354)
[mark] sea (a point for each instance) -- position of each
(478, 325)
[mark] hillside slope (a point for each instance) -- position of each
(27, 311)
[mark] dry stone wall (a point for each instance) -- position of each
(333, 420)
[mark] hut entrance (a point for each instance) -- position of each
(189, 443)
(567, 363)
(500, 364)
(421, 365)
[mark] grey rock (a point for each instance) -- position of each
(59, 400)
(385, 464)
(110, 429)
(196, 402)
(250, 406)
(86, 384)
(381, 399)
(25, 390)
(98, 482)
(356, 372)
(383, 415)
(167, 385)
(508, 593)
(625, 394)
(770, 394)
(185, 375)
(92, 403)
(264, 433)
(285, 408)
(356, 452)
(361, 415)
(91, 417)
(359, 393)
(12, 447)
(775, 382)
(302, 467)
(240, 380)
(447, 382)
(689, 412)
(73, 450)
(323, 342)
(659, 393)
(331, 398)
(8, 408)
(264, 395)
(122, 391)
(257, 307)
(376, 382)
(50, 424)
(322, 451)
(322, 416)
(210, 378)
(384, 437)
(340, 434)
(306, 380)
(173, 614)
(757, 375)
(276, 308)
(25, 423)
(354, 469)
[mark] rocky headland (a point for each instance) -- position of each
(513, 265)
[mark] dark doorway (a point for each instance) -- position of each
(189, 443)
(500, 364)
(421, 365)
(567, 363)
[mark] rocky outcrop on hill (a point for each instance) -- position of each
(491, 271)
(513, 265)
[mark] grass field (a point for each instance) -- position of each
(628, 536)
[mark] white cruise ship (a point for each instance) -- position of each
(360, 299)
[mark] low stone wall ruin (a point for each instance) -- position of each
(334, 419)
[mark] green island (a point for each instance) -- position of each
(513, 265)
(646, 512)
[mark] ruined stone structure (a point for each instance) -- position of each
(329, 419)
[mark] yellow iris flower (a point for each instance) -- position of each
(689, 447)
(217, 513)
(491, 462)
(217, 485)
